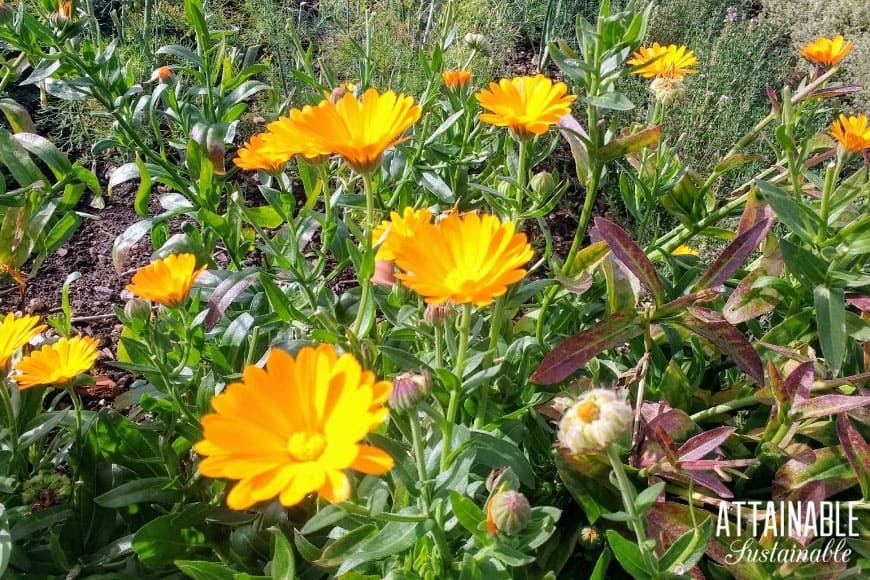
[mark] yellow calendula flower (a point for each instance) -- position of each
(285, 138)
(167, 281)
(398, 226)
(359, 130)
(57, 364)
(468, 259)
(526, 105)
(852, 133)
(669, 62)
(684, 251)
(259, 154)
(15, 333)
(294, 428)
(827, 51)
(456, 78)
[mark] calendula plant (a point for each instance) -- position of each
(368, 358)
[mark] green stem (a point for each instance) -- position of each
(627, 492)
(522, 174)
(417, 439)
(365, 281)
(831, 174)
(439, 345)
(453, 403)
(495, 326)
(724, 408)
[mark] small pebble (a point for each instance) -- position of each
(36, 305)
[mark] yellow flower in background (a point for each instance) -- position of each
(398, 226)
(359, 130)
(259, 154)
(294, 427)
(526, 105)
(827, 51)
(684, 251)
(58, 363)
(456, 78)
(15, 333)
(167, 281)
(670, 62)
(851, 133)
(468, 259)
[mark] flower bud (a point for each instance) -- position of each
(502, 477)
(438, 313)
(336, 94)
(7, 14)
(58, 21)
(163, 74)
(590, 537)
(477, 42)
(137, 309)
(598, 419)
(505, 188)
(46, 489)
(543, 183)
(408, 390)
(508, 512)
(667, 91)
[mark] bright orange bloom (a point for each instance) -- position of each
(526, 105)
(57, 364)
(163, 74)
(15, 333)
(65, 9)
(167, 281)
(360, 130)
(259, 154)
(670, 62)
(285, 138)
(398, 226)
(468, 259)
(827, 51)
(294, 427)
(851, 132)
(456, 78)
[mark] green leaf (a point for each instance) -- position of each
(433, 183)
(61, 231)
(648, 496)
(625, 144)
(806, 267)
(44, 424)
(143, 193)
(283, 562)
(20, 121)
(146, 490)
(5, 541)
(393, 538)
(129, 238)
(470, 516)
(600, 570)
(199, 570)
(47, 152)
(496, 452)
(628, 555)
(830, 306)
(799, 219)
(612, 100)
(170, 537)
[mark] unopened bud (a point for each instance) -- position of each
(543, 183)
(438, 313)
(668, 91)
(502, 477)
(408, 390)
(137, 309)
(336, 94)
(508, 512)
(477, 42)
(505, 188)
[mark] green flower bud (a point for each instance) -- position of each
(408, 390)
(543, 183)
(509, 512)
(668, 91)
(138, 309)
(438, 313)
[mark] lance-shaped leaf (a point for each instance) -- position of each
(799, 383)
(735, 160)
(625, 144)
(831, 321)
(756, 210)
(630, 254)
(726, 337)
(17, 116)
(793, 214)
(748, 302)
(733, 256)
(577, 138)
(824, 468)
(830, 92)
(577, 350)
(702, 444)
(827, 405)
(857, 452)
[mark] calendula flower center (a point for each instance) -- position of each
(587, 411)
(306, 446)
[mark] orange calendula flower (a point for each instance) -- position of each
(15, 333)
(398, 226)
(526, 105)
(468, 259)
(360, 130)
(167, 281)
(57, 364)
(852, 133)
(670, 62)
(684, 251)
(65, 9)
(456, 78)
(827, 51)
(284, 138)
(259, 154)
(294, 427)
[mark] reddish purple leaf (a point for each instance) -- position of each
(574, 134)
(675, 306)
(857, 451)
(667, 445)
(726, 337)
(225, 294)
(574, 352)
(859, 301)
(700, 445)
(829, 92)
(827, 405)
(799, 383)
(774, 102)
(710, 482)
(630, 254)
(756, 210)
(747, 302)
(734, 255)
(711, 464)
